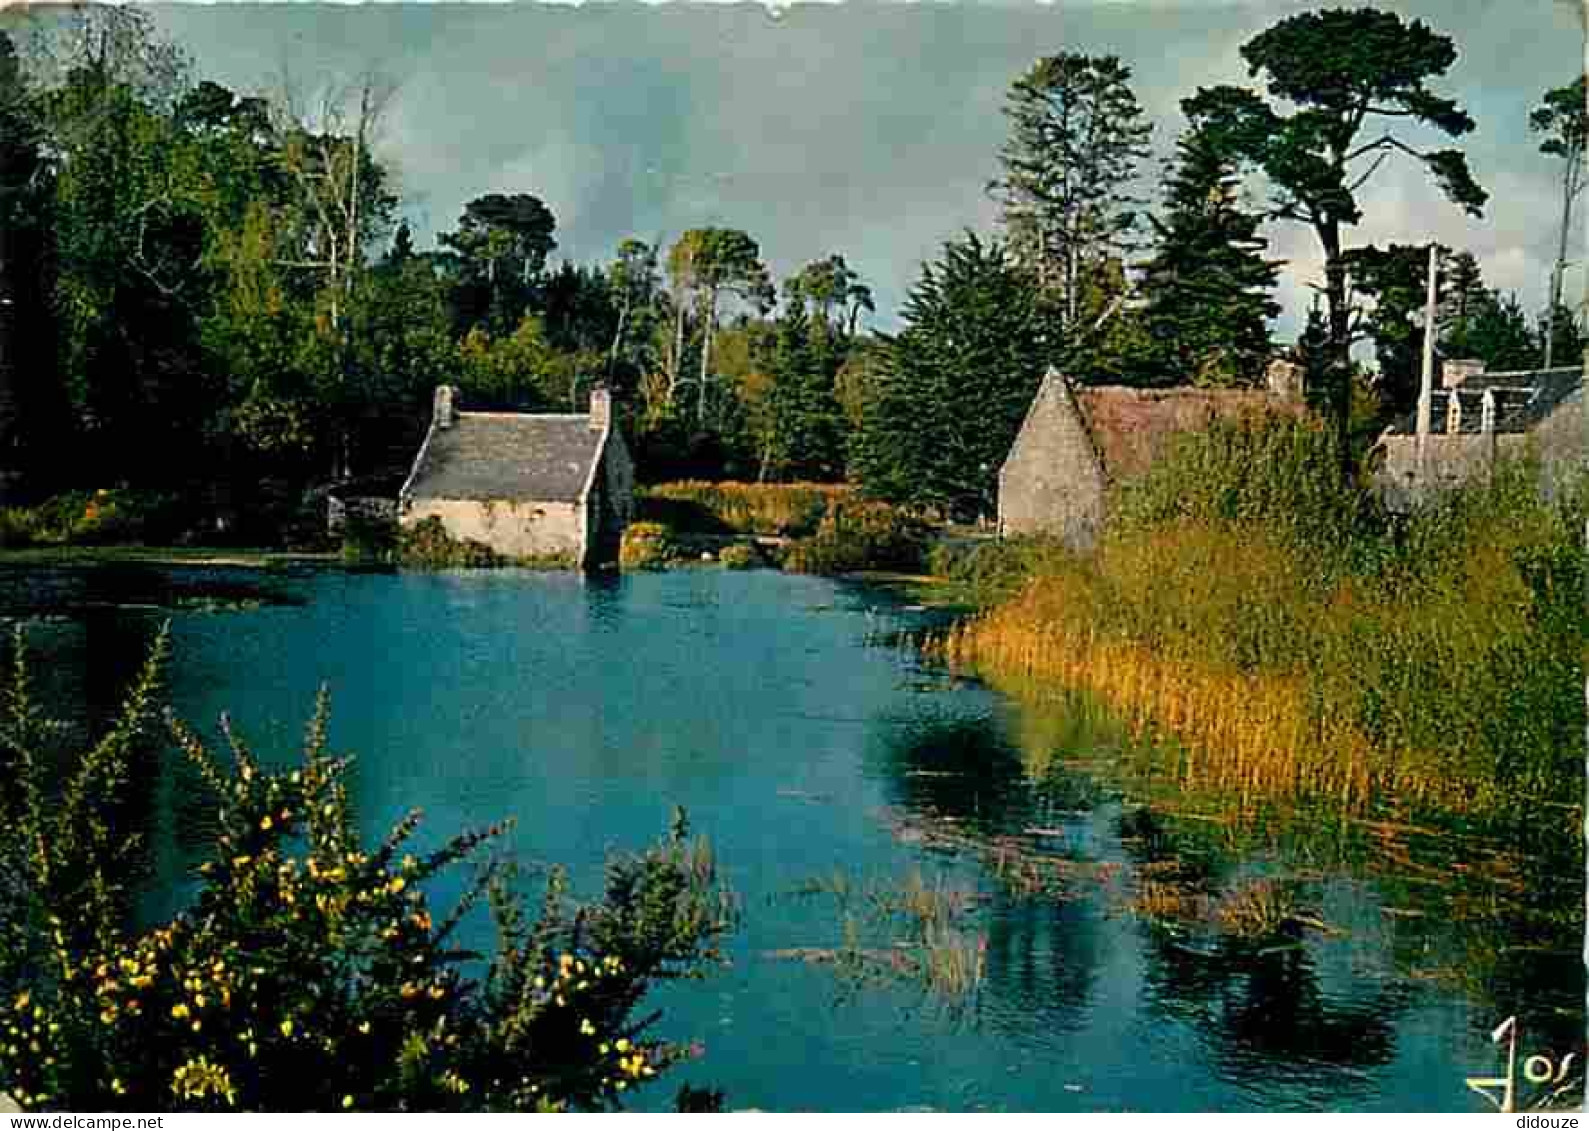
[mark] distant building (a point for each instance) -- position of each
(528, 485)
(1076, 441)
(1477, 418)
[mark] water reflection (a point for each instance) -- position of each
(587, 707)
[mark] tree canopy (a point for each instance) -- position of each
(1341, 72)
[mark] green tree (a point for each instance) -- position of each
(1075, 137)
(1497, 332)
(502, 242)
(804, 440)
(710, 264)
(1208, 290)
(1563, 122)
(1396, 278)
(633, 279)
(22, 197)
(941, 413)
(832, 292)
(1313, 354)
(1343, 71)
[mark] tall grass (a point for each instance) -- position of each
(1302, 643)
(773, 509)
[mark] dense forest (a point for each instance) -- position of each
(212, 296)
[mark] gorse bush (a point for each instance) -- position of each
(1301, 644)
(308, 972)
(859, 536)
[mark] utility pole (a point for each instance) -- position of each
(1427, 380)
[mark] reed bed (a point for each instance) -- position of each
(772, 509)
(1303, 648)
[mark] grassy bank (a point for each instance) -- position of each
(804, 527)
(783, 510)
(1300, 642)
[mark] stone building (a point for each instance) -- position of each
(1077, 441)
(1477, 418)
(528, 485)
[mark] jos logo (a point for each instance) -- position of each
(1547, 1078)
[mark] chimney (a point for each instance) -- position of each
(1454, 371)
(600, 408)
(1284, 378)
(446, 412)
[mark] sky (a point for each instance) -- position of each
(866, 129)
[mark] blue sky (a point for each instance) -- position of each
(864, 128)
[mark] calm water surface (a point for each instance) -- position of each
(806, 742)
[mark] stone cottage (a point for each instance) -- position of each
(1476, 418)
(528, 485)
(1076, 441)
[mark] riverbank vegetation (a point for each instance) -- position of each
(304, 947)
(226, 301)
(1301, 642)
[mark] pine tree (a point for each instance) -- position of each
(1462, 296)
(1313, 354)
(806, 421)
(1075, 138)
(1208, 287)
(944, 409)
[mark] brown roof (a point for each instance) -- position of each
(1131, 428)
(509, 456)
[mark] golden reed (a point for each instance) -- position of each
(1250, 734)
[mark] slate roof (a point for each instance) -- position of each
(1522, 400)
(1132, 428)
(516, 457)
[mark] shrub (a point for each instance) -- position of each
(77, 518)
(368, 540)
(741, 555)
(427, 545)
(860, 536)
(646, 545)
(304, 949)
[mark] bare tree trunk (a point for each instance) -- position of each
(676, 362)
(1340, 343)
(617, 337)
(1568, 185)
(710, 320)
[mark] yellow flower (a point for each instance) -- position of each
(397, 885)
(180, 1010)
(265, 822)
(117, 1087)
(347, 1101)
(622, 1044)
(364, 1026)
(586, 1027)
(286, 1027)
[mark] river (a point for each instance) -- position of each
(805, 737)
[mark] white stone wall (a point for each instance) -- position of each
(515, 529)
